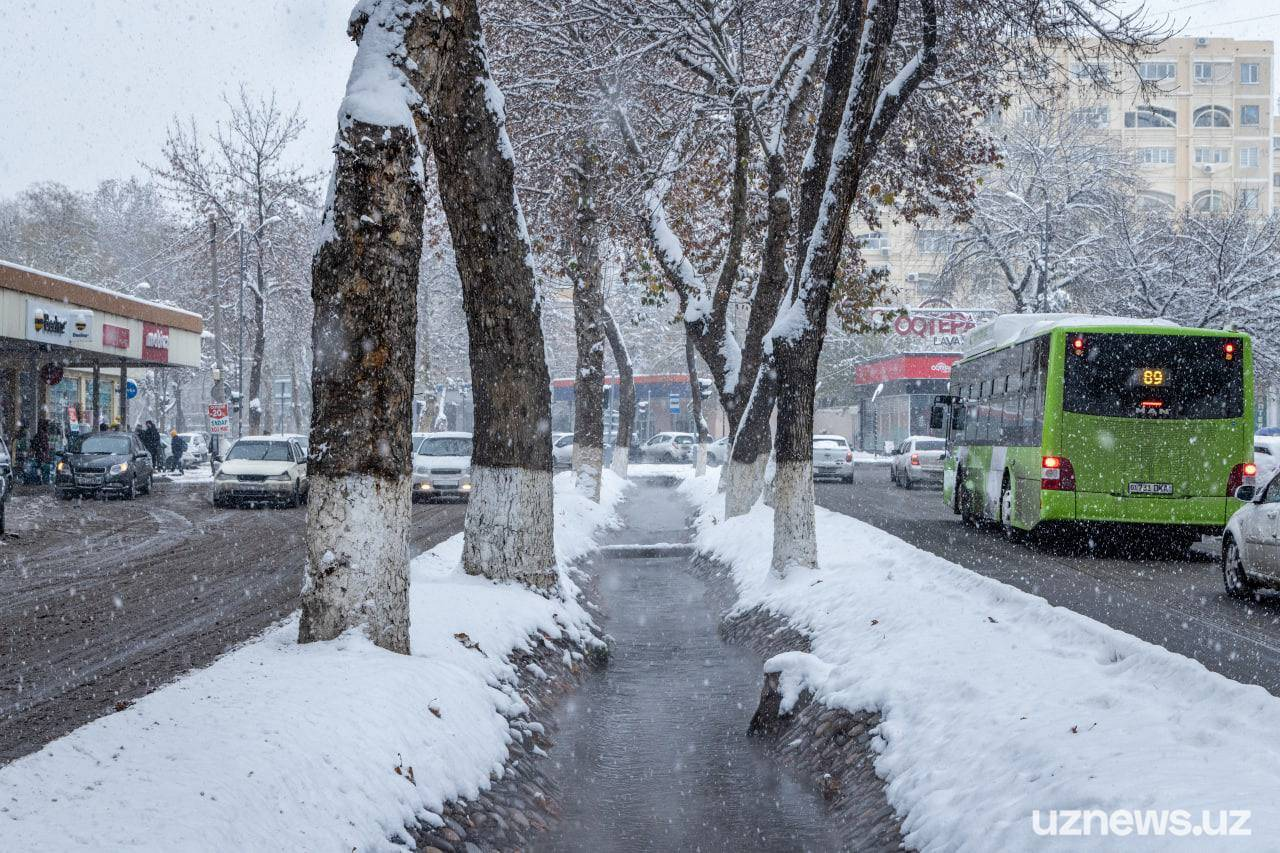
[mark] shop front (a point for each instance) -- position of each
(893, 394)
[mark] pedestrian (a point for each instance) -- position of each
(150, 438)
(102, 426)
(42, 450)
(178, 444)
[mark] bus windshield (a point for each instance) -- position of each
(1153, 376)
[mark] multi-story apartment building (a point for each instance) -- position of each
(1203, 131)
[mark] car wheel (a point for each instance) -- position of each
(964, 500)
(65, 494)
(295, 499)
(906, 480)
(1234, 577)
(132, 492)
(146, 489)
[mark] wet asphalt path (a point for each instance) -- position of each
(105, 601)
(1177, 604)
(652, 752)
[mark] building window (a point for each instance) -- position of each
(927, 284)
(1212, 116)
(1209, 201)
(1202, 72)
(1030, 114)
(1157, 70)
(933, 241)
(1148, 116)
(1093, 116)
(1275, 180)
(1155, 201)
(1213, 155)
(1249, 199)
(1250, 115)
(1155, 156)
(1249, 157)
(874, 240)
(1249, 72)
(1275, 143)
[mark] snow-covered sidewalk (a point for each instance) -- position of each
(278, 746)
(995, 704)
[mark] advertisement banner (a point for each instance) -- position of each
(48, 325)
(155, 343)
(940, 328)
(219, 419)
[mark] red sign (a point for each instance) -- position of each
(115, 336)
(219, 419)
(905, 367)
(155, 343)
(940, 326)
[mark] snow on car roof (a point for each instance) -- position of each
(444, 434)
(830, 437)
(1008, 329)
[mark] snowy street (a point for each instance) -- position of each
(1178, 604)
(104, 602)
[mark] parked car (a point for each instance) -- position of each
(670, 447)
(304, 441)
(105, 463)
(442, 466)
(917, 459)
(718, 451)
(562, 450)
(262, 469)
(1251, 541)
(832, 458)
(197, 452)
(1266, 455)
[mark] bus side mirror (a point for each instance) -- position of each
(936, 416)
(1245, 493)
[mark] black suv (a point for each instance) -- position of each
(106, 462)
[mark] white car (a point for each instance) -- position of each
(262, 469)
(1266, 455)
(718, 451)
(917, 459)
(562, 450)
(442, 465)
(197, 452)
(669, 447)
(1251, 542)
(832, 458)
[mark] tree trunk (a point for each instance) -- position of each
(259, 351)
(695, 408)
(626, 395)
(362, 377)
(296, 403)
(509, 523)
(588, 324)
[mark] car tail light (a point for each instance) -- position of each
(848, 456)
(915, 458)
(1241, 475)
(1057, 475)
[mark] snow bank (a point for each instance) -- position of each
(278, 746)
(995, 704)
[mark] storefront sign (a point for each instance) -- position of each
(115, 337)
(922, 366)
(219, 419)
(155, 343)
(938, 327)
(47, 325)
(81, 326)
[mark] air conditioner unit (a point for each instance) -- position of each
(1207, 169)
(884, 250)
(913, 277)
(1202, 42)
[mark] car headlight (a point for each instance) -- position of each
(62, 466)
(279, 478)
(119, 467)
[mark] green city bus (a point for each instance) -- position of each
(1058, 420)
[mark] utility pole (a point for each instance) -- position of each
(219, 390)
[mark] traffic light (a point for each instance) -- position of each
(705, 388)
(235, 401)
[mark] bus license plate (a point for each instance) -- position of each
(1151, 488)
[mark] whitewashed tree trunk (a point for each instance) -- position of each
(744, 486)
(509, 525)
(794, 536)
(364, 270)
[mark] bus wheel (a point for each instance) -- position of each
(1010, 533)
(965, 501)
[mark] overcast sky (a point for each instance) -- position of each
(86, 94)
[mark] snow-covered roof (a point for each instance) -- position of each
(1008, 329)
(29, 280)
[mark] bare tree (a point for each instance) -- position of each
(365, 269)
(509, 532)
(589, 332)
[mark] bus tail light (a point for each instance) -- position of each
(1057, 475)
(1241, 475)
(915, 458)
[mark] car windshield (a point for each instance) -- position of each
(444, 446)
(684, 439)
(99, 444)
(937, 444)
(260, 451)
(829, 442)
(1154, 376)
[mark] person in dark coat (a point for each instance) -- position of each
(151, 441)
(178, 446)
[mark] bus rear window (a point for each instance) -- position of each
(1153, 376)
